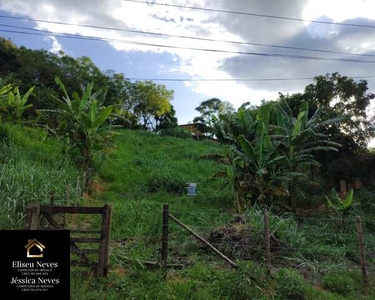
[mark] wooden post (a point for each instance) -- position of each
(267, 238)
(67, 203)
(68, 195)
(361, 249)
(164, 239)
(52, 198)
(102, 269)
(35, 217)
(78, 188)
(198, 237)
(29, 213)
(84, 179)
(108, 237)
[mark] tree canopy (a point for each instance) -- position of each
(140, 103)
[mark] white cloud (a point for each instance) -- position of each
(56, 46)
(177, 21)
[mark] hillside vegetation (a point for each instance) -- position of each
(143, 171)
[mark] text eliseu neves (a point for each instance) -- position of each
(34, 265)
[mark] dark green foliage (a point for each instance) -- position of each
(355, 166)
(269, 151)
(210, 112)
(354, 99)
(239, 284)
(28, 68)
(167, 120)
(341, 283)
(290, 285)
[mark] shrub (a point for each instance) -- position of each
(290, 285)
(239, 284)
(339, 283)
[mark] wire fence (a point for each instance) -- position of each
(274, 240)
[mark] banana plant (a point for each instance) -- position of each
(82, 123)
(298, 138)
(13, 105)
(341, 207)
(262, 158)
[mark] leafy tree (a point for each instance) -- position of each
(340, 96)
(144, 102)
(152, 101)
(167, 120)
(209, 112)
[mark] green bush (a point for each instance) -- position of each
(290, 285)
(339, 283)
(239, 284)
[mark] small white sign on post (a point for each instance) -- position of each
(191, 189)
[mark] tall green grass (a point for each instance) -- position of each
(32, 166)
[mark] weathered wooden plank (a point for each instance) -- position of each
(85, 240)
(164, 238)
(84, 251)
(361, 250)
(29, 213)
(51, 220)
(86, 231)
(104, 245)
(71, 210)
(77, 263)
(33, 221)
(73, 246)
(35, 217)
(108, 237)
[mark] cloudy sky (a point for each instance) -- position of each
(124, 52)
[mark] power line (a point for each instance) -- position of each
(173, 79)
(273, 55)
(182, 36)
(251, 14)
(235, 79)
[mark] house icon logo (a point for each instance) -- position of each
(34, 243)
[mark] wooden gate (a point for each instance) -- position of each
(101, 237)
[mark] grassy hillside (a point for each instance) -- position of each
(144, 170)
(313, 259)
